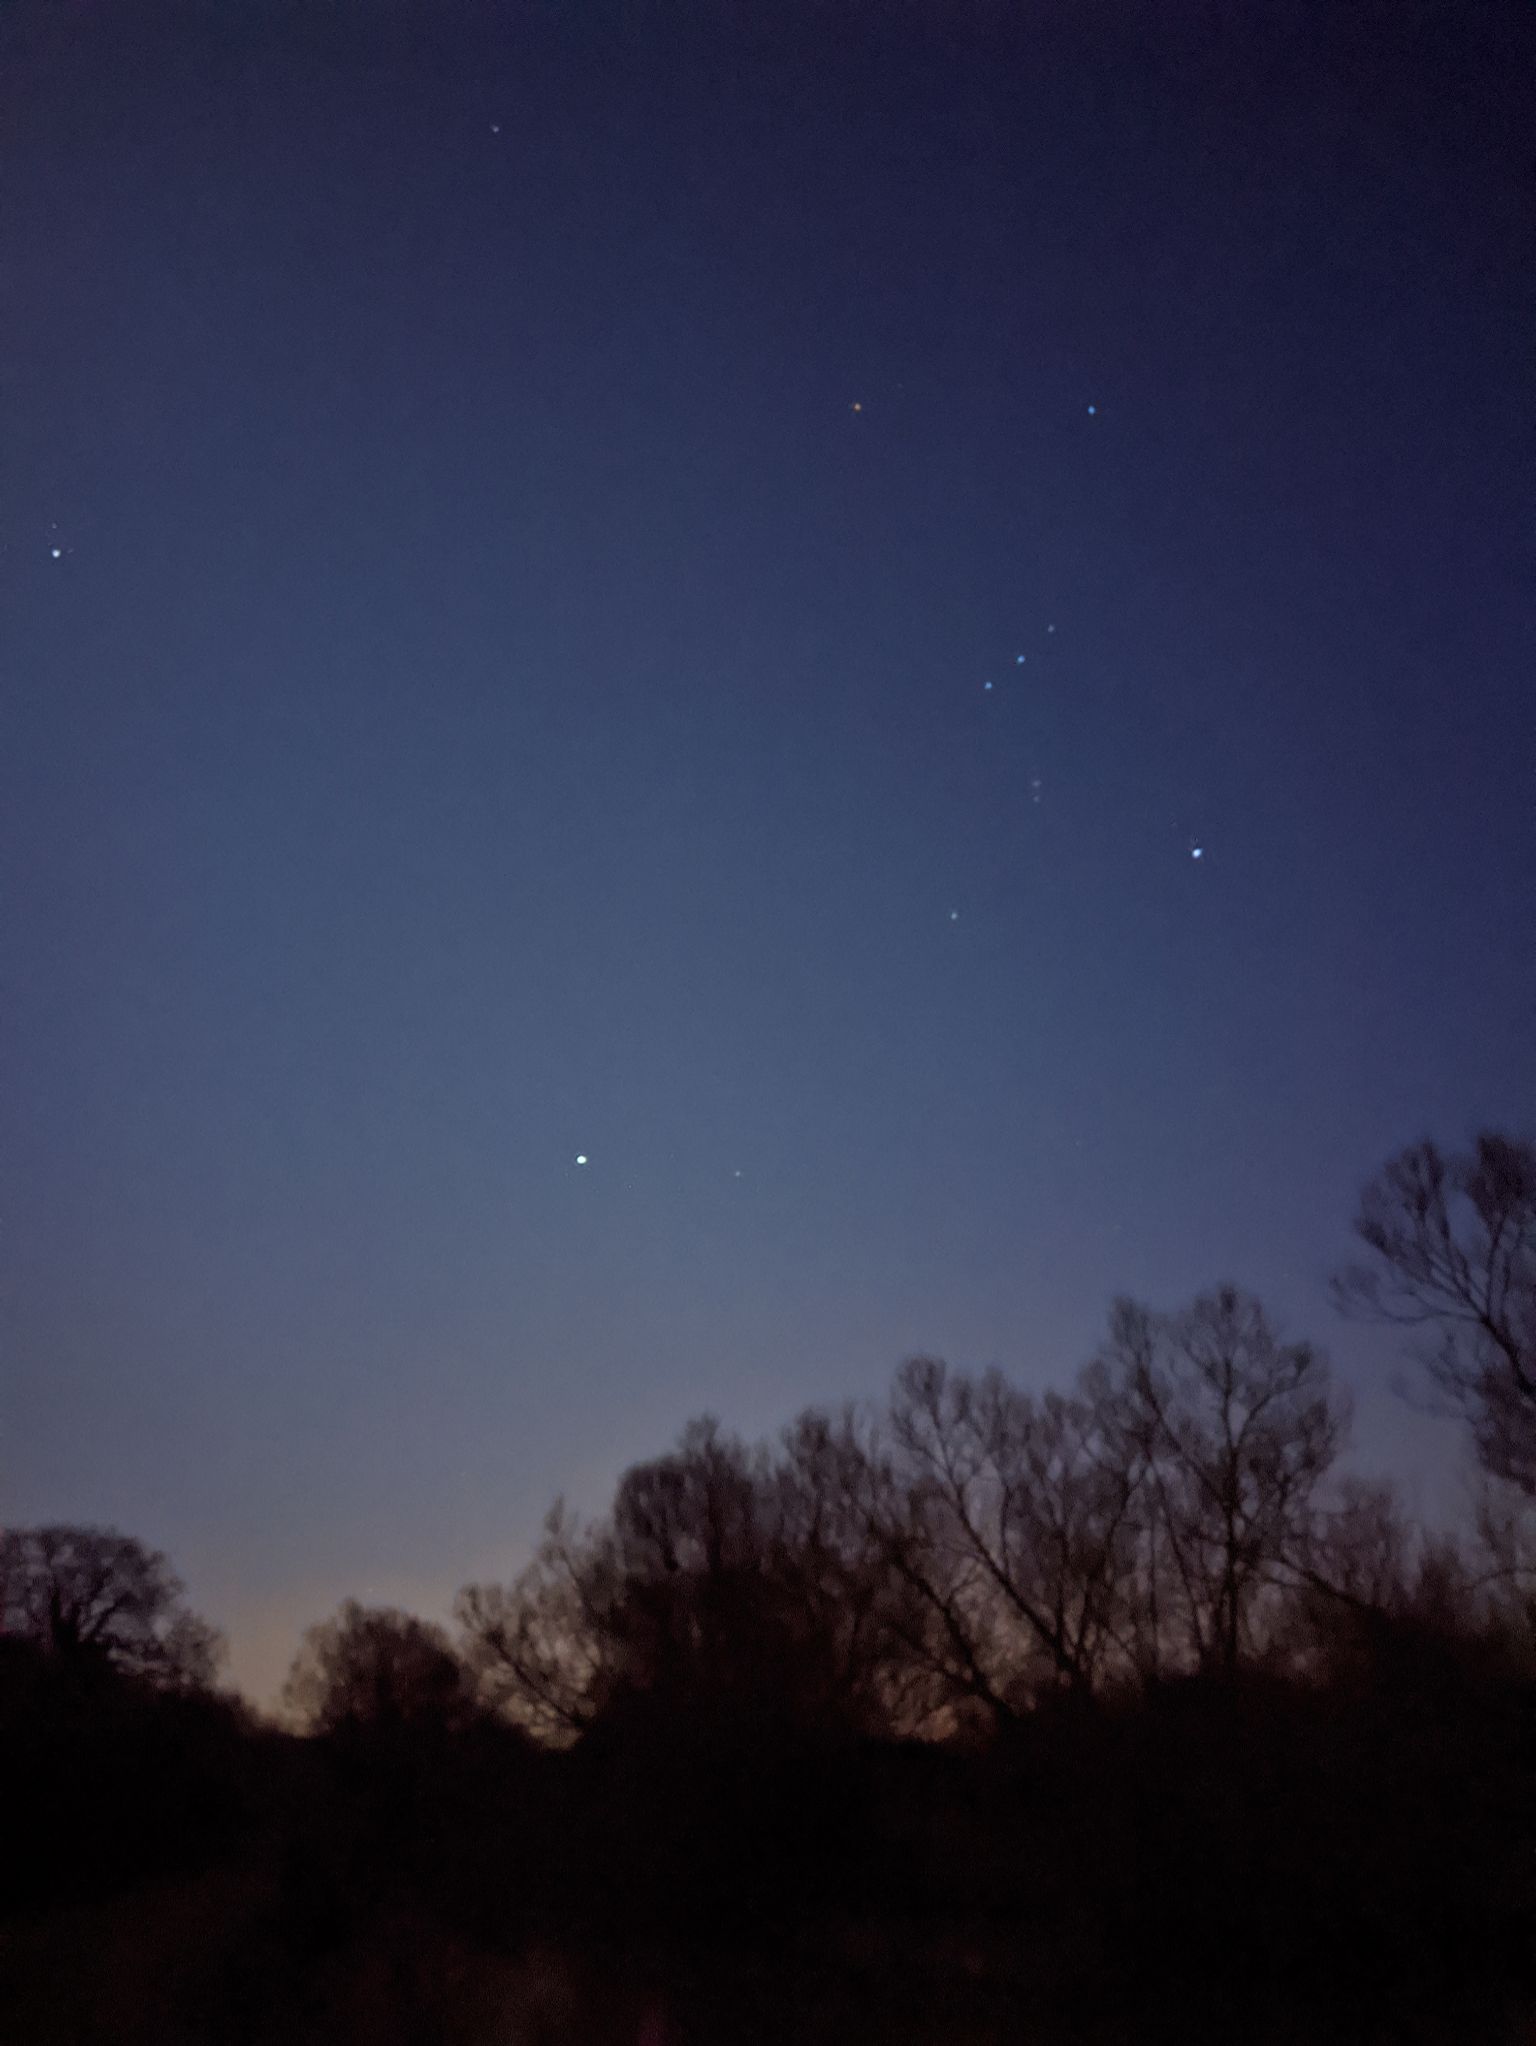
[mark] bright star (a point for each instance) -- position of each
(1197, 852)
(986, 685)
(1092, 409)
(1018, 660)
(581, 1157)
(57, 553)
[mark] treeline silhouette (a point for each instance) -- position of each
(1103, 1714)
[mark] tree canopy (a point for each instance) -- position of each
(1451, 1238)
(89, 1596)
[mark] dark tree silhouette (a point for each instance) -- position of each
(541, 1647)
(947, 1561)
(723, 1580)
(1453, 1244)
(1234, 1431)
(373, 1668)
(89, 1596)
(1369, 1574)
(739, 1827)
(1013, 1513)
(864, 1612)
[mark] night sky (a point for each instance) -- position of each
(909, 628)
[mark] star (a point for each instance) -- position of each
(495, 127)
(855, 406)
(1050, 628)
(986, 685)
(1018, 660)
(581, 1157)
(954, 916)
(1197, 852)
(1092, 411)
(57, 553)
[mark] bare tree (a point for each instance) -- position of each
(378, 1668)
(1503, 1553)
(724, 1578)
(749, 1577)
(649, 1598)
(941, 1669)
(946, 1560)
(1355, 1570)
(834, 1520)
(680, 1590)
(1453, 1243)
(91, 1596)
(542, 1646)
(1013, 1516)
(1363, 1549)
(1234, 1431)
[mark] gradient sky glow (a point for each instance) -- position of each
(510, 515)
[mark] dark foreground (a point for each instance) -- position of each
(1270, 1863)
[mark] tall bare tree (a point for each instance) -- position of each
(1235, 1431)
(1014, 1515)
(836, 1507)
(702, 1605)
(723, 1578)
(1453, 1255)
(543, 1647)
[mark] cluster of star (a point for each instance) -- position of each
(1020, 660)
(1036, 782)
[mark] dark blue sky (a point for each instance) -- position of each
(497, 699)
